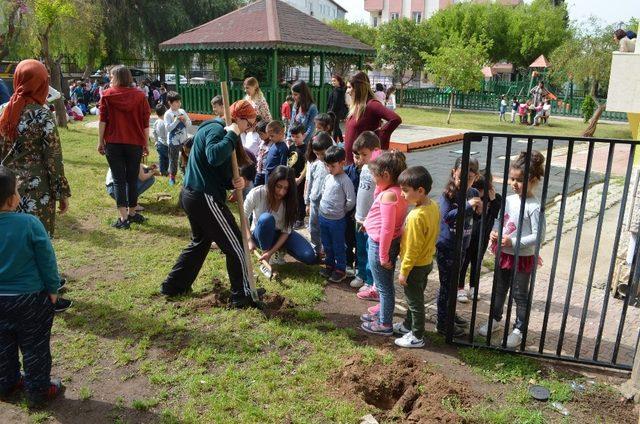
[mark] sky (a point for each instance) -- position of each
(610, 11)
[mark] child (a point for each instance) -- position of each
(29, 283)
(531, 222)
(218, 107)
(522, 112)
(539, 114)
(446, 244)
(161, 142)
(324, 122)
(514, 109)
(365, 148)
(384, 224)
(278, 151)
(184, 154)
(391, 98)
(263, 150)
(503, 108)
(417, 248)
(285, 109)
(297, 162)
(176, 122)
(531, 111)
(316, 173)
(471, 255)
(338, 197)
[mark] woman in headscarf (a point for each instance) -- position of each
(203, 197)
(30, 145)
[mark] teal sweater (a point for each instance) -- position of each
(209, 167)
(28, 262)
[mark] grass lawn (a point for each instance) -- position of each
(127, 355)
(479, 121)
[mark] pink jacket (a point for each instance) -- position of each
(385, 221)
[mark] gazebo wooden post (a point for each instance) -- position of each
(177, 65)
(323, 99)
(222, 69)
(360, 62)
(311, 59)
(275, 107)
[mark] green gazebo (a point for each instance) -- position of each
(270, 29)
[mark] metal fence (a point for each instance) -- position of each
(436, 97)
(567, 316)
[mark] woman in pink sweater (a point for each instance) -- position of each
(384, 224)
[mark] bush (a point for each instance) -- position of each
(588, 108)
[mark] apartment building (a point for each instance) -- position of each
(323, 10)
(382, 11)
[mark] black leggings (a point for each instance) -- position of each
(124, 161)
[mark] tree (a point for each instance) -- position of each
(457, 65)
(339, 64)
(399, 44)
(11, 13)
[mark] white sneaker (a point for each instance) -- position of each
(356, 283)
(399, 328)
(514, 339)
(472, 293)
(278, 258)
(408, 340)
(484, 330)
(462, 296)
(350, 272)
(365, 287)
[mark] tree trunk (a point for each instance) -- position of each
(88, 70)
(450, 107)
(593, 122)
(56, 77)
(8, 37)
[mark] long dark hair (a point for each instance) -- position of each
(340, 80)
(290, 200)
(451, 190)
(305, 100)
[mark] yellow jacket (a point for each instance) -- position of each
(419, 238)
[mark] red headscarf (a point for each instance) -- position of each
(242, 109)
(30, 86)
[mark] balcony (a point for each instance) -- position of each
(373, 5)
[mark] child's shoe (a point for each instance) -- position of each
(409, 340)
(484, 329)
(366, 287)
(356, 283)
(9, 393)
(459, 321)
(337, 276)
(371, 294)
(462, 296)
(35, 400)
(375, 309)
(62, 305)
(172, 180)
(278, 258)
(399, 328)
(369, 317)
(326, 272)
(137, 218)
(121, 224)
(375, 328)
(350, 271)
(514, 339)
(457, 331)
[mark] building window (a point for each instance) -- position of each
(417, 17)
(394, 16)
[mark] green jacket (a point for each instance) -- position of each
(209, 167)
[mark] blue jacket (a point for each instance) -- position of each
(4, 92)
(306, 119)
(448, 217)
(277, 155)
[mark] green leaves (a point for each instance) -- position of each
(399, 44)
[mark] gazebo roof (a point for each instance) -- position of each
(267, 24)
(540, 62)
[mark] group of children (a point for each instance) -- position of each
(527, 112)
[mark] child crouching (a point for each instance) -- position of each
(416, 250)
(29, 284)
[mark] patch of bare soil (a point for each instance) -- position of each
(603, 406)
(405, 390)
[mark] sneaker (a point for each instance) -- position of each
(379, 329)
(55, 389)
(472, 292)
(350, 271)
(172, 292)
(298, 225)
(460, 322)
(369, 317)
(137, 218)
(63, 282)
(399, 328)
(121, 224)
(337, 276)
(172, 181)
(278, 258)
(462, 296)
(375, 309)
(457, 331)
(266, 271)
(356, 283)
(371, 294)
(364, 288)
(326, 272)
(514, 339)
(9, 393)
(484, 329)
(408, 340)
(62, 305)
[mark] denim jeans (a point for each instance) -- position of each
(163, 155)
(142, 187)
(383, 279)
(520, 289)
(265, 234)
(332, 233)
(174, 159)
(445, 265)
(362, 244)
(314, 227)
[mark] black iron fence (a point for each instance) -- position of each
(566, 317)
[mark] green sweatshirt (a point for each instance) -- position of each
(209, 167)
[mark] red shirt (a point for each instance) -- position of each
(370, 120)
(285, 110)
(126, 112)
